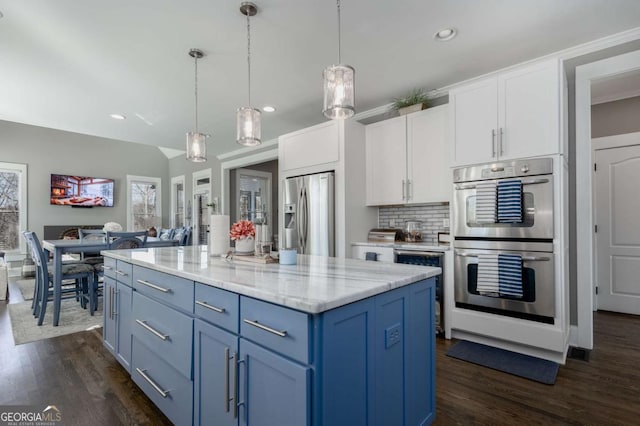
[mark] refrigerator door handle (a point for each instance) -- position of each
(306, 220)
(300, 213)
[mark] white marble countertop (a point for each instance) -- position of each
(315, 284)
(406, 246)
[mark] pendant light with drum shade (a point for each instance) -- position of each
(196, 141)
(248, 118)
(339, 87)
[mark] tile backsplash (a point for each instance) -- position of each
(432, 217)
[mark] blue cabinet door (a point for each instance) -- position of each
(420, 364)
(110, 315)
(123, 325)
(273, 390)
(215, 381)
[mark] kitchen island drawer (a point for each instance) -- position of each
(124, 273)
(219, 307)
(166, 331)
(173, 290)
(281, 329)
(164, 385)
(109, 267)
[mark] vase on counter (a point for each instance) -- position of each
(245, 245)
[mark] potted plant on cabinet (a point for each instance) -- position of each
(415, 100)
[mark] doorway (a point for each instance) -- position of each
(616, 176)
(201, 199)
(585, 223)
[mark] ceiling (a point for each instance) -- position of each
(68, 64)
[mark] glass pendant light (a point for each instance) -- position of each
(248, 118)
(339, 87)
(196, 142)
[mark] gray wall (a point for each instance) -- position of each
(47, 151)
(615, 118)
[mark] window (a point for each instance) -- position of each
(144, 202)
(13, 206)
(177, 202)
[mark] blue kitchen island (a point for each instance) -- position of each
(325, 342)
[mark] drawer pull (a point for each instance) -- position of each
(266, 328)
(152, 330)
(108, 268)
(208, 306)
(155, 287)
(119, 272)
(152, 383)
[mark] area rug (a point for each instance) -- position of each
(26, 287)
(529, 367)
(72, 320)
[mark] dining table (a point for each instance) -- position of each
(58, 248)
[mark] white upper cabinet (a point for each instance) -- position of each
(514, 114)
(408, 159)
(386, 164)
(310, 147)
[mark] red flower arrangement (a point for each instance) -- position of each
(242, 229)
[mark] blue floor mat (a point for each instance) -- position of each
(529, 367)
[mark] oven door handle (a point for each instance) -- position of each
(524, 258)
(418, 253)
(460, 186)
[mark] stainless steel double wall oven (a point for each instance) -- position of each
(531, 238)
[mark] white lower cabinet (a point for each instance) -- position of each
(408, 159)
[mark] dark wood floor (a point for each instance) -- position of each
(80, 377)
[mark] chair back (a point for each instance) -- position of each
(37, 254)
(127, 240)
(92, 235)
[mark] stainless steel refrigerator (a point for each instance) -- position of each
(309, 214)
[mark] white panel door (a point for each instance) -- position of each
(529, 111)
(428, 156)
(617, 201)
(474, 119)
(386, 155)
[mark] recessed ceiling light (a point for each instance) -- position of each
(118, 116)
(268, 108)
(446, 34)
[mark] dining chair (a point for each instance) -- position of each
(182, 235)
(127, 240)
(92, 291)
(80, 273)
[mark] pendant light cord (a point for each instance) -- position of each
(249, 56)
(339, 36)
(196, 90)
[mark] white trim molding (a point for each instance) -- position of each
(585, 75)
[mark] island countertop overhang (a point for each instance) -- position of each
(315, 284)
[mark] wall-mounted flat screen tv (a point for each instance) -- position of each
(81, 191)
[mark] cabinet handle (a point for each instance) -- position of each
(110, 302)
(500, 139)
(115, 302)
(108, 268)
(234, 393)
(409, 189)
(226, 379)
(152, 383)
(153, 286)
(404, 192)
(152, 330)
(208, 306)
(255, 323)
(119, 272)
(493, 143)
